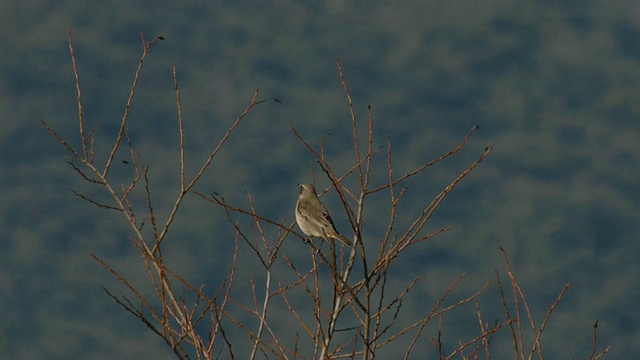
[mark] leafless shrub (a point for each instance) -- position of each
(358, 275)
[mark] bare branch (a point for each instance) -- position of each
(83, 137)
(85, 177)
(434, 161)
(94, 202)
(60, 139)
(145, 51)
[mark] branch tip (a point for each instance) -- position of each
(267, 99)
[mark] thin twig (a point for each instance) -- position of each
(83, 137)
(203, 168)
(145, 51)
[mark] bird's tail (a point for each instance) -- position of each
(343, 239)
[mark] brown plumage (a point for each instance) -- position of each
(313, 218)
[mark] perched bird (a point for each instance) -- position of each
(313, 218)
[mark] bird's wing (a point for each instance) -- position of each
(317, 213)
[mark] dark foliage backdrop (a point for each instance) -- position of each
(556, 87)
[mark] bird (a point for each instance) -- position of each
(313, 218)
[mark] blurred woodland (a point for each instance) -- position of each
(552, 86)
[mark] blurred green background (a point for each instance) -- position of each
(555, 85)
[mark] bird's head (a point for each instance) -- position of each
(306, 190)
